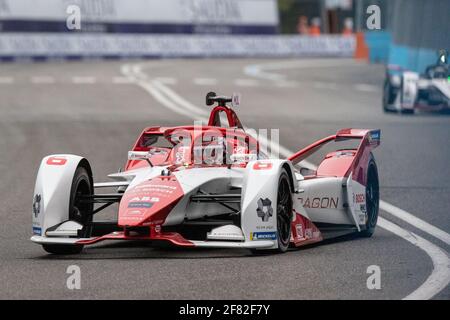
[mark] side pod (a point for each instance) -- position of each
(340, 180)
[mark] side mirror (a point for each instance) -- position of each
(140, 155)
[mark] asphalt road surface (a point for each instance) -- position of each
(97, 109)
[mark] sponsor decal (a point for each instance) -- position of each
(37, 205)
(135, 212)
(263, 236)
(262, 166)
(362, 208)
(308, 233)
(320, 203)
(37, 231)
(56, 161)
(362, 218)
(265, 227)
(140, 204)
(299, 229)
(360, 198)
(374, 136)
(264, 210)
(145, 199)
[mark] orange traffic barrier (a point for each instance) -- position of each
(314, 31)
(361, 50)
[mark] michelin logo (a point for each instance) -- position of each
(37, 231)
(263, 236)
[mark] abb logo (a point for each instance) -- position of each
(56, 161)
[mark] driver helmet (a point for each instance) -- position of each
(443, 57)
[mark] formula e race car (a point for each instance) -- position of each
(406, 91)
(210, 186)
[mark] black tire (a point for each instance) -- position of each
(284, 207)
(407, 111)
(78, 211)
(284, 212)
(372, 198)
(389, 95)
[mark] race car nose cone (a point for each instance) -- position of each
(149, 202)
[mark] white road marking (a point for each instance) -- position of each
(324, 85)
(166, 80)
(265, 71)
(121, 80)
(42, 80)
(83, 80)
(179, 100)
(246, 82)
(439, 277)
(6, 80)
(286, 84)
(366, 87)
(441, 262)
(416, 222)
(205, 81)
(135, 74)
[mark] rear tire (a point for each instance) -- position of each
(372, 198)
(78, 211)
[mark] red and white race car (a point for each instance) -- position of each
(210, 186)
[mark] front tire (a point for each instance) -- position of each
(284, 208)
(407, 111)
(372, 198)
(389, 96)
(284, 212)
(78, 210)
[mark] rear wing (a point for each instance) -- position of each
(369, 138)
(372, 136)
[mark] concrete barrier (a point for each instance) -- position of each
(79, 45)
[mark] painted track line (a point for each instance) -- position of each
(416, 222)
(42, 80)
(246, 82)
(121, 80)
(83, 80)
(205, 81)
(440, 276)
(367, 87)
(178, 99)
(6, 80)
(166, 80)
(135, 74)
(324, 85)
